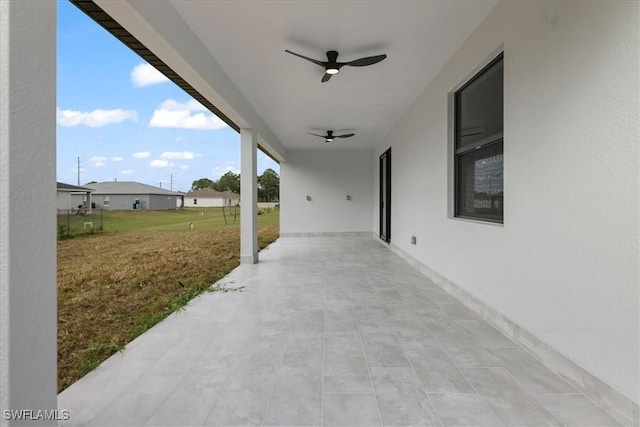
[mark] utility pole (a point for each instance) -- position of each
(78, 171)
(171, 181)
(160, 184)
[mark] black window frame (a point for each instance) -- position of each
(492, 143)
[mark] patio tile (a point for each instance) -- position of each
(437, 372)
(401, 399)
(575, 410)
(130, 409)
(297, 398)
(531, 374)
(330, 330)
(513, 405)
(486, 336)
(345, 370)
(464, 352)
(350, 409)
(303, 352)
(192, 399)
(343, 339)
(464, 409)
(383, 350)
(244, 398)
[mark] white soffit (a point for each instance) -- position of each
(247, 39)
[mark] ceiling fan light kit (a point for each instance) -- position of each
(332, 67)
(329, 137)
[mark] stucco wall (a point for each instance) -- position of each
(204, 202)
(125, 201)
(327, 177)
(27, 230)
(159, 202)
(565, 264)
(63, 200)
(66, 200)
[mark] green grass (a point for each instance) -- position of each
(115, 285)
(203, 219)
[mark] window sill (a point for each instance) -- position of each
(477, 221)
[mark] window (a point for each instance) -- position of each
(479, 189)
(106, 201)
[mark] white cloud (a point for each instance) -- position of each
(126, 172)
(141, 154)
(117, 159)
(178, 155)
(184, 167)
(95, 118)
(98, 161)
(218, 171)
(160, 163)
(188, 115)
(146, 74)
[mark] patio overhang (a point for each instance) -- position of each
(231, 57)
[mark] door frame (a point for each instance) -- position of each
(385, 202)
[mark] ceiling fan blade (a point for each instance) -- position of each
(348, 135)
(326, 77)
(369, 60)
(315, 134)
(315, 61)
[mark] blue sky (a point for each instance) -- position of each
(126, 121)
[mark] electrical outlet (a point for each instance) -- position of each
(413, 240)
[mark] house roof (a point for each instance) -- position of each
(128, 187)
(204, 193)
(61, 186)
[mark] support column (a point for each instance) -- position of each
(28, 308)
(248, 196)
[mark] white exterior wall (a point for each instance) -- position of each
(63, 200)
(155, 202)
(205, 202)
(28, 378)
(66, 200)
(565, 265)
(327, 177)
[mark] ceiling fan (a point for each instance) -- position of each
(329, 137)
(332, 66)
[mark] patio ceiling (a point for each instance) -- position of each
(251, 79)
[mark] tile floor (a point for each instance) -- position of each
(329, 331)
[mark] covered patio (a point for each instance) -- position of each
(359, 313)
(326, 331)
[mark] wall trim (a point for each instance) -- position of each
(601, 393)
(328, 234)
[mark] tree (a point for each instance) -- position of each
(229, 182)
(269, 186)
(202, 183)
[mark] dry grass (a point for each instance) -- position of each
(113, 287)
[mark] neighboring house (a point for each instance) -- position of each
(69, 197)
(208, 197)
(119, 195)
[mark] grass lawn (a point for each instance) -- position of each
(203, 219)
(113, 286)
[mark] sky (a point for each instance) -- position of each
(126, 121)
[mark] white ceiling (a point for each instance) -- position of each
(248, 38)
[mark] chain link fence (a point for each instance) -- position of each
(74, 222)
